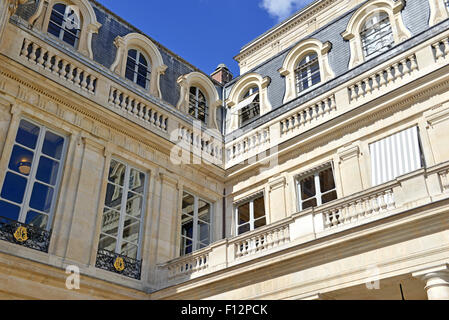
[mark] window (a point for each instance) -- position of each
(396, 155)
(376, 35)
(65, 23)
(307, 73)
(138, 69)
(195, 224)
(251, 100)
(251, 215)
(198, 104)
(316, 189)
(32, 178)
(123, 211)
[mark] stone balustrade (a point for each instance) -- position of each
(189, 265)
(254, 143)
(441, 49)
(54, 63)
(383, 78)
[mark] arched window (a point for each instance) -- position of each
(65, 23)
(376, 34)
(252, 108)
(307, 73)
(198, 104)
(138, 69)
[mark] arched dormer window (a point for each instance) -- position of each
(73, 22)
(439, 11)
(252, 108)
(374, 28)
(376, 34)
(65, 23)
(307, 73)
(247, 100)
(138, 68)
(138, 59)
(305, 66)
(199, 98)
(198, 104)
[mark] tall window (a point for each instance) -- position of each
(138, 69)
(198, 104)
(123, 211)
(316, 189)
(251, 100)
(65, 23)
(251, 215)
(32, 178)
(195, 224)
(307, 73)
(376, 35)
(396, 155)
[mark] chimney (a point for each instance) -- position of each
(222, 74)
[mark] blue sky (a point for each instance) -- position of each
(205, 32)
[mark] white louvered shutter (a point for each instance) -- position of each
(394, 156)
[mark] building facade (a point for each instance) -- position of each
(321, 172)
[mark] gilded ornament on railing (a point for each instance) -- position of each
(119, 264)
(21, 234)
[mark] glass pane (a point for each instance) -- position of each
(309, 204)
(47, 171)
(331, 196)
(308, 187)
(134, 205)
(187, 204)
(41, 198)
(21, 160)
(27, 134)
(9, 211)
(187, 227)
(203, 232)
(36, 219)
(243, 213)
(244, 228)
(117, 173)
(110, 224)
(136, 181)
(113, 197)
(327, 182)
(107, 243)
(260, 223)
(259, 208)
(131, 230)
(53, 145)
(14, 188)
(129, 250)
(186, 246)
(203, 211)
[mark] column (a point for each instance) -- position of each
(349, 170)
(437, 281)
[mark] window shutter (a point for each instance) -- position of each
(395, 156)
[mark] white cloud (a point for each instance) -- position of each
(281, 9)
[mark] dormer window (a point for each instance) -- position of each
(251, 106)
(377, 36)
(198, 104)
(138, 69)
(65, 23)
(307, 73)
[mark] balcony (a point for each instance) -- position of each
(119, 264)
(397, 197)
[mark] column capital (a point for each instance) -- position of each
(437, 281)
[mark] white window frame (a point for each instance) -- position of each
(196, 242)
(136, 67)
(63, 30)
(123, 203)
(252, 91)
(196, 106)
(309, 78)
(318, 194)
(251, 213)
(31, 177)
(381, 39)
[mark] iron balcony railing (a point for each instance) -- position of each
(25, 235)
(118, 263)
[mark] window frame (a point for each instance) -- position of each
(62, 27)
(123, 205)
(196, 243)
(254, 90)
(318, 194)
(197, 102)
(364, 34)
(252, 221)
(137, 64)
(31, 177)
(308, 67)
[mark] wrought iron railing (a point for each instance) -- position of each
(118, 263)
(25, 235)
